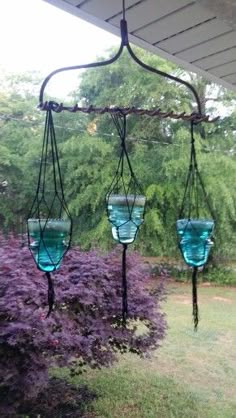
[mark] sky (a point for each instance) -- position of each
(38, 36)
(35, 35)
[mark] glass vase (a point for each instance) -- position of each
(48, 241)
(195, 240)
(126, 215)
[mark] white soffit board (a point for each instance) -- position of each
(198, 35)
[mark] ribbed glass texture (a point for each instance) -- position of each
(195, 240)
(126, 215)
(48, 242)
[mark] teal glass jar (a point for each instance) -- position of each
(49, 240)
(195, 240)
(126, 215)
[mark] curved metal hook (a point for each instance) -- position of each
(124, 42)
(76, 67)
(163, 74)
(124, 34)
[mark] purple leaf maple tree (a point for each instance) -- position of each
(85, 327)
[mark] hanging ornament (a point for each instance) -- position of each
(195, 224)
(49, 223)
(125, 205)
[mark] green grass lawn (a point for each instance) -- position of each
(192, 375)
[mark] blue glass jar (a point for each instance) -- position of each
(48, 241)
(195, 240)
(126, 215)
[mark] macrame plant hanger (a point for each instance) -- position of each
(49, 223)
(129, 201)
(195, 226)
(125, 205)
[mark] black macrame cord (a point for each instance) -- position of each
(194, 185)
(124, 182)
(51, 294)
(191, 204)
(49, 201)
(124, 168)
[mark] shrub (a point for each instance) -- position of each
(220, 275)
(60, 400)
(85, 325)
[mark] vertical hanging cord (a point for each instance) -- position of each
(192, 168)
(198, 178)
(195, 172)
(45, 153)
(195, 269)
(123, 9)
(188, 184)
(52, 140)
(123, 144)
(194, 297)
(41, 164)
(51, 294)
(124, 287)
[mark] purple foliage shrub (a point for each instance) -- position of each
(86, 322)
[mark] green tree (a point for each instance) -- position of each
(19, 148)
(89, 148)
(160, 149)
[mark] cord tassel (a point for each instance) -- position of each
(194, 298)
(51, 294)
(124, 287)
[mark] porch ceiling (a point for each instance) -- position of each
(199, 35)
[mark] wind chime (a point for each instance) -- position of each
(125, 201)
(49, 223)
(195, 224)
